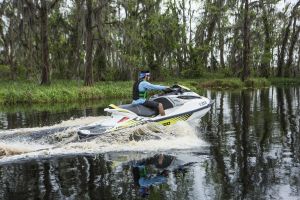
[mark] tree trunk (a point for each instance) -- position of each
(12, 65)
(45, 50)
(298, 64)
(8, 51)
(282, 49)
(266, 58)
(88, 76)
(294, 39)
(29, 60)
(190, 16)
(76, 40)
(184, 37)
(221, 43)
(197, 53)
(235, 56)
(210, 32)
(246, 47)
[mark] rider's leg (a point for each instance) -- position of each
(161, 109)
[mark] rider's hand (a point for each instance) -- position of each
(168, 89)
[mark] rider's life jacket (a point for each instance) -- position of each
(136, 94)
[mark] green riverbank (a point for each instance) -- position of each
(63, 91)
(60, 92)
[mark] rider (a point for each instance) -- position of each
(140, 88)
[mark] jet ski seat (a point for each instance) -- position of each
(140, 110)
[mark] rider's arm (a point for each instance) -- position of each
(150, 86)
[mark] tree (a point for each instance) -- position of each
(11, 38)
(235, 56)
(266, 57)
(45, 49)
(75, 27)
(246, 43)
(88, 75)
(286, 34)
(43, 9)
(112, 40)
(213, 12)
(294, 38)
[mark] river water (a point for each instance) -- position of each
(246, 147)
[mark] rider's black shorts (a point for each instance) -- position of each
(151, 104)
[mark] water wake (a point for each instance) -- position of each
(63, 139)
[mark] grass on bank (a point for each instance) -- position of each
(235, 83)
(285, 81)
(61, 91)
(72, 91)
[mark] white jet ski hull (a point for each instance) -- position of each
(183, 106)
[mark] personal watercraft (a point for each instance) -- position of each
(179, 102)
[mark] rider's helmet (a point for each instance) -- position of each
(143, 74)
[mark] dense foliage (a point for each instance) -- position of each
(112, 39)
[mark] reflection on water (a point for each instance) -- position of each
(254, 153)
(93, 177)
(255, 144)
(146, 172)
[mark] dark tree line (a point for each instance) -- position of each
(94, 40)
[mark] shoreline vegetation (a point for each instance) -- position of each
(64, 91)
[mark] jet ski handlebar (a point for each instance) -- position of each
(175, 89)
(168, 90)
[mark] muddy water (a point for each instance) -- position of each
(246, 147)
